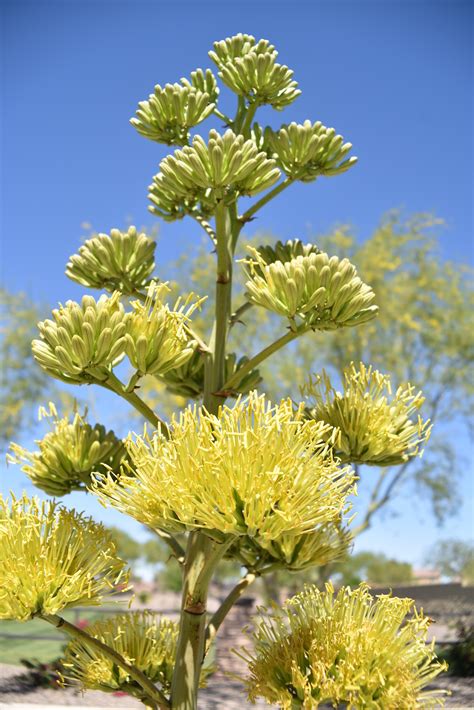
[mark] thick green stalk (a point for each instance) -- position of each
(219, 616)
(202, 553)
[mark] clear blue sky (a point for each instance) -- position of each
(394, 78)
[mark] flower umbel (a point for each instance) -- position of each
(377, 427)
(255, 469)
(156, 339)
(122, 261)
(143, 638)
(52, 559)
(346, 649)
(69, 454)
(83, 341)
(314, 290)
(227, 165)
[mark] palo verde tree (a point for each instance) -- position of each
(266, 484)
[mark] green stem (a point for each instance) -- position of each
(237, 315)
(227, 120)
(247, 125)
(266, 198)
(205, 225)
(260, 357)
(178, 552)
(113, 383)
(221, 613)
(202, 556)
(153, 694)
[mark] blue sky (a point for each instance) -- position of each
(393, 77)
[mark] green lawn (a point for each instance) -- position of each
(12, 650)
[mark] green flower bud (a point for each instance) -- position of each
(52, 558)
(313, 291)
(188, 380)
(344, 650)
(145, 637)
(171, 111)
(306, 151)
(203, 81)
(122, 261)
(283, 251)
(236, 47)
(326, 543)
(69, 454)
(156, 339)
(250, 69)
(206, 173)
(376, 427)
(83, 341)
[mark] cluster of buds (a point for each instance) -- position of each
(255, 469)
(188, 379)
(227, 165)
(315, 291)
(344, 650)
(172, 110)
(121, 261)
(156, 338)
(376, 426)
(49, 559)
(83, 341)
(250, 69)
(326, 543)
(69, 454)
(203, 81)
(306, 151)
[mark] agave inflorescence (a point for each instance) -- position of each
(251, 70)
(69, 454)
(52, 558)
(346, 649)
(143, 638)
(314, 291)
(376, 426)
(227, 165)
(327, 543)
(256, 469)
(306, 151)
(156, 338)
(83, 341)
(171, 111)
(121, 261)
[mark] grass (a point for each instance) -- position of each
(12, 650)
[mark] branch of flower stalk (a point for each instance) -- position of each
(227, 120)
(115, 385)
(236, 316)
(179, 553)
(247, 124)
(155, 696)
(205, 225)
(247, 216)
(260, 357)
(221, 613)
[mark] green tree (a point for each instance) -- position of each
(374, 568)
(454, 559)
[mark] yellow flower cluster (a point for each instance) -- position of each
(345, 649)
(256, 469)
(250, 69)
(83, 341)
(376, 427)
(315, 290)
(52, 558)
(156, 340)
(143, 638)
(69, 454)
(206, 173)
(326, 543)
(121, 261)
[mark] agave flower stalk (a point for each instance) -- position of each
(264, 484)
